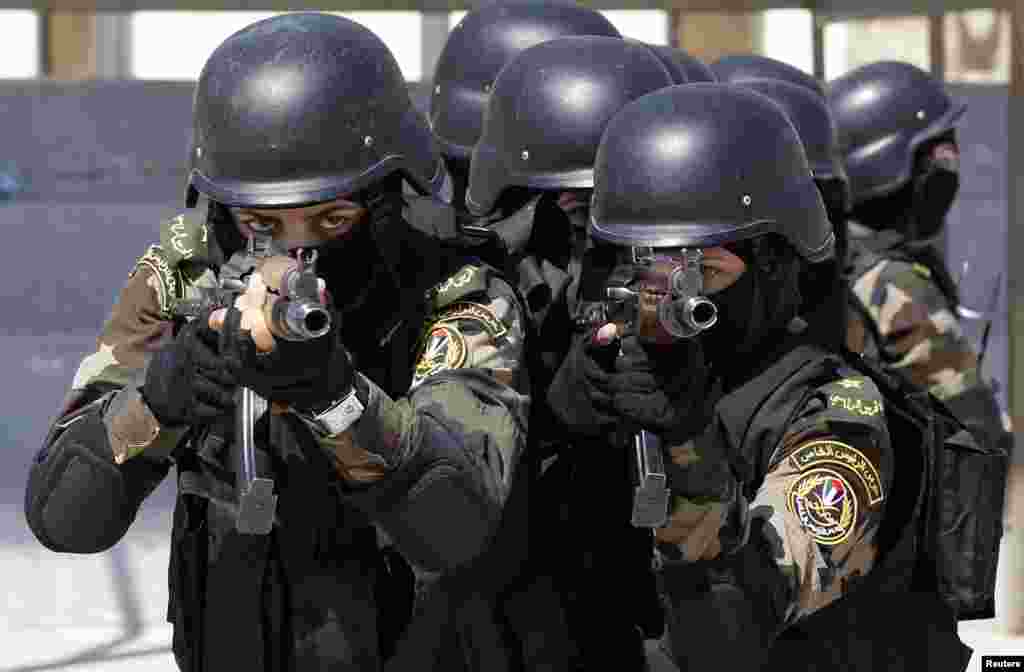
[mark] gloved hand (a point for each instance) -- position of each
(308, 375)
(604, 382)
(579, 395)
(186, 381)
(660, 388)
(663, 389)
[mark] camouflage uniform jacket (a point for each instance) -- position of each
(464, 416)
(913, 326)
(907, 323)
(812, 466)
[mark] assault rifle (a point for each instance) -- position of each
(296, 313)
(660, 300)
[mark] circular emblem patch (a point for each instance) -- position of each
(444, 348)
(825, 504)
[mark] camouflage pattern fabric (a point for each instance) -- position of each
(920, 335)
(138, 325)
(469, 378)
(822, 498)
(914, 331)
(476, 325)
(476, 328)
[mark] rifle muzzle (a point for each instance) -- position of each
(688, 316)
(299, 320)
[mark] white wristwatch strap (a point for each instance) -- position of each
(340, 416)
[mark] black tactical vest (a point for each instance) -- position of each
(969, 475)
(501, 612)
(856, 632)
(273, 602)
(318, 589)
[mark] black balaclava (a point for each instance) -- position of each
(458, 170)
(935, 186)
(835, 196)
(579, 215)
(918, 209)
(221, 223)
(578, 211)
(511, 201)
(353, 266)
(535, 234)
(755, 312)
(822, 287)
(346, 262)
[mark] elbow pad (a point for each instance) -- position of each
(756, 574)
(728, 611)
(74, 502)
(438, 509)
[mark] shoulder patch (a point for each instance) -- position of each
(855, 395)
(825, 504)
(183, 237)
(470, 279)
(479, 313)
(443, 348)
(166, 279)
(853, 405)
(921, 270)
(829, 452)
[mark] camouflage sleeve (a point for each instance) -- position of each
(467, 410)
(138, 324)
(822, 499)
(81, 495)
(705, 522)
(919, 333)
(817, 509)
(480, 335)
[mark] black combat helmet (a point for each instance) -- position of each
(684, 68)
(478, 48)
(744, 67)
(813, 122)
(304, 108)
(821, 288)
(702, 165)
(548, 110)
(884, 112)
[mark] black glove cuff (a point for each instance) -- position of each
(170, 423)
(323, 406)
(348, 382)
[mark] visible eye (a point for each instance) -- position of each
(335, 222)
(259, 226)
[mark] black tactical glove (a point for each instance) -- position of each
(660, 390)
(664, 389)
(187, 382)
(308, 375)
(579, 395)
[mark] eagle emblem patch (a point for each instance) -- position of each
(825, 504)
(443, 348)
(827, 451)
